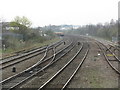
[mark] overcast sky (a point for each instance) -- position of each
(56, 12)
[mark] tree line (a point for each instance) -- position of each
(25, 35)
(106, 30)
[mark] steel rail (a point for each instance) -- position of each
(117, 71)
(107, 48)
(114, 46)
(16, 53)
(58, 72)
(33, 66)
(13, 87)
(28, 50)
(41, 61)
(80, 64)
(106, 58)
(26, 58)
(111, 52)
(26, 69)
(29, 53)
(23, 55)
(29, 76)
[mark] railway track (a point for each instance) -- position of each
(25, 52)
(114, 49)
(22, 52)
(26, 62)
(7, 71)
(26, 56)
(25, 75)
(110, 57)
(64, 75)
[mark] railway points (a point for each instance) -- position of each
(64, 64)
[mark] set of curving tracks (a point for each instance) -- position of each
(61, 83)
(14, 60)
(7, 62)
(110, 56)
(19, 79)
(63, 76)
(109, 52)
(114, 48)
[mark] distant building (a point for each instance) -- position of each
(5, 30)
(6, 26)
(59, 33)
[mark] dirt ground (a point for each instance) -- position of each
(95, 72)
